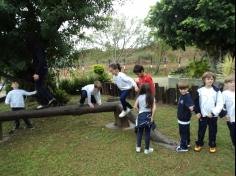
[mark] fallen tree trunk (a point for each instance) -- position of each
(77, 111)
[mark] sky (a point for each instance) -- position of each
(135, 8)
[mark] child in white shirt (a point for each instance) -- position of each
(208, 106)
(229, 100)
(91, 92)
(15, 99)
(125, 84)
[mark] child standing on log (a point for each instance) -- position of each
(208, 106)
(125, 84)
(229, 100)
(144, 78)
(15, 99)
(185, 108)
(91, 92)
(147, 107)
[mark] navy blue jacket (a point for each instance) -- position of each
(184, 112)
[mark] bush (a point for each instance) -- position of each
(227, 67)
(99, 69)
(61, 96)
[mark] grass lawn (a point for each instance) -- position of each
(81, 146)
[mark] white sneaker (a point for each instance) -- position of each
(151, 150)
(138, 149)
(128, 111)
(123, 114)
(40, 107)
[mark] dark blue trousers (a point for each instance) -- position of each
(144, 125)
(184, 131)
(26, 120)
(203, 123)
(232, 131)
(123, 96)
(84, 96)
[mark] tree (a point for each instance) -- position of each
(42, 29)
(210, 25)
(121, 35)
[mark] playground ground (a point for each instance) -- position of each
(81, 146)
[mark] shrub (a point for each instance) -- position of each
(61, 96)
(99, 69)
(227, 67)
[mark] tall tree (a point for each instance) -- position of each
(42, 29)
(208, 24)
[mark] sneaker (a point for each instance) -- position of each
(189, 146)
(212, 150)
(179, 149)
(51, 101)
(197, 148)
(40, 107)
(151, 150)
(123, 114)
(128, 111)
(138, 149)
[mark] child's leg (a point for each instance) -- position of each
(83, 97)
(188, 135)
(93, 100)
(17, 124)
(148, 137)
(139, 137)
(183, 129)
(232, 131)
(123, 96)
(212, 131)
(201, 131)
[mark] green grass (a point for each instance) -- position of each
(82, 146)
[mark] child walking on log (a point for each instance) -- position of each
(146, 106)
(125, 84)
(229, 101)
(91, 92)
(15, 99)
(208, 106)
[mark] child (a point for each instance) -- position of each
(144, 78)
(185, 107)
(147, 107)
(125, 84)
(229, 100)
(208, 106)
(15, 99)
(93, 93)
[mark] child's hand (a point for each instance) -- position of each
(191, 108)
(36, 77)
(226, 118)
(210, 115)
(136, 89)
(199, 116)
(91, 106)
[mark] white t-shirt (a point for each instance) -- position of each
(124, 82)
(143, 105)
(15, 98)
(90, 89)
(229, 100)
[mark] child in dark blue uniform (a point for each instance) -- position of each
(185, 106)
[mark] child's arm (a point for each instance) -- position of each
(197, 108)
(129, 80)
(219, 105)
(8, 99)
(25, 93)
(189, 103)
(154, 108)
(136, 105)
(89, 100)
(98, 98)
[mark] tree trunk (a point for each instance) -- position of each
(77, 111)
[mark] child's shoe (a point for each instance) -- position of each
(151, 150)
(138, 149)
(123, 114)
(197, 148)
(189, 146)
(179, 149)
(128, 111)
(213, 150)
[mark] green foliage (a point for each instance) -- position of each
(61, 96)
(194, 70)
(47, 25)
(99, 69)
(227, 67)
(208, 24)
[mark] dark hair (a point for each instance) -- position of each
(146, 90)
(115, 66)
(138, 69)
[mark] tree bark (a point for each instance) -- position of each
(77, 111)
